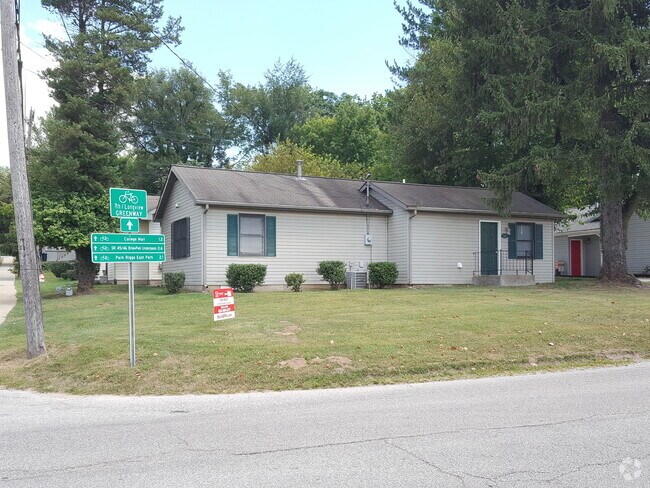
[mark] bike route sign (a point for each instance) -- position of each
(128, 203)
(127, 248)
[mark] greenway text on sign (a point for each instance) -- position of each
(128, 203)
(129, 225)
(127, 248)
(223, 303)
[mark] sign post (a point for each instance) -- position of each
(129, 206)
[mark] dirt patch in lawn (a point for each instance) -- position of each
(294, 363)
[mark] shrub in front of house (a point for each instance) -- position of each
(382, 274)
(245, 277)
(333, 272)
(58, 268)
(294, 281)
(69, 275)
(174, 282)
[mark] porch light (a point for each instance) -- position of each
(506, 233)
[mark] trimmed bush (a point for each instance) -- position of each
(58, 268)
(174, 282)
(69, 275)
(382, 274)
(333, 272)
(294, 281)
(245, 277)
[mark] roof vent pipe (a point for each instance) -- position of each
(299, 163)
(368, 190)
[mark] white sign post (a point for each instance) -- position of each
(223, 303)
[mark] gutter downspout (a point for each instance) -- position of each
(408, 246)
(204, 250)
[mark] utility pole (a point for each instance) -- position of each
(20, 186)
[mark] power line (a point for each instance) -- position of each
(185, 63)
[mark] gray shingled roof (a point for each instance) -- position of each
(456, 198)
(585, 220)
(244, 188)
(269, 190)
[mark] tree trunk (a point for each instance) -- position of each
(612, 236)
(86, 270)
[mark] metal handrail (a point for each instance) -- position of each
(522, 264)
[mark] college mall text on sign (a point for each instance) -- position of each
(127, 248)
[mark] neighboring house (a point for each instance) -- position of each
(143, 273)
(577, 244)
(57, 254)
(435, 234)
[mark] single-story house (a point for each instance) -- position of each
(437, 235)
(577, 244)
(143, 273)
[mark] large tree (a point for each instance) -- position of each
(549, 97)
(78, 158)
(265, 113)
(174, 121)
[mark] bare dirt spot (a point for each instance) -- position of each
(341, 361)
(621, 356)
(317, 360)
(295, 363)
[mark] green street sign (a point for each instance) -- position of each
(128, 203)
(129, 225)
(127, 248)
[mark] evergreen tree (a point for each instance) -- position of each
(78, 157)
(548, 97)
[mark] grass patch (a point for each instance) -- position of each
(322, 339)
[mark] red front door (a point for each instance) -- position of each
(576, 259)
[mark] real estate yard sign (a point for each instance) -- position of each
(223, 303)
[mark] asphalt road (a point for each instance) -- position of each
(570, 429)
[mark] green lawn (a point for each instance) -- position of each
(339, 338)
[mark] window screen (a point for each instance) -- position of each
(251, 235)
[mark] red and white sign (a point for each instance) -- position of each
(223, 303)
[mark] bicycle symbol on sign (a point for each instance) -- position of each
(127, 196)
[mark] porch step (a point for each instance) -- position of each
(504, 280)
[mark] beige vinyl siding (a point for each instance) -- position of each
(191, 265)
(302, 240)
(397, 236)
(440, 241)
(638, 244)
(562, 252)
(591, 246)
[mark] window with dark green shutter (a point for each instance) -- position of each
(181, 238)
(251, 235)
(526, 239)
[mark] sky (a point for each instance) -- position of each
(343, 44)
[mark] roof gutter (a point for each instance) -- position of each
(483, 212)
(359, 210)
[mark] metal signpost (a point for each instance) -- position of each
(223, 303)
(129, 206)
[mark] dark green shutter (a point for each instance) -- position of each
(270, 236)
(512, 241)
(187, 237)
(233, 235)
(539, 241)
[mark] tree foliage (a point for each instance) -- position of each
(78, 156)
(550, 98)
(265, 113)
(282, 158)
(174, 121)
